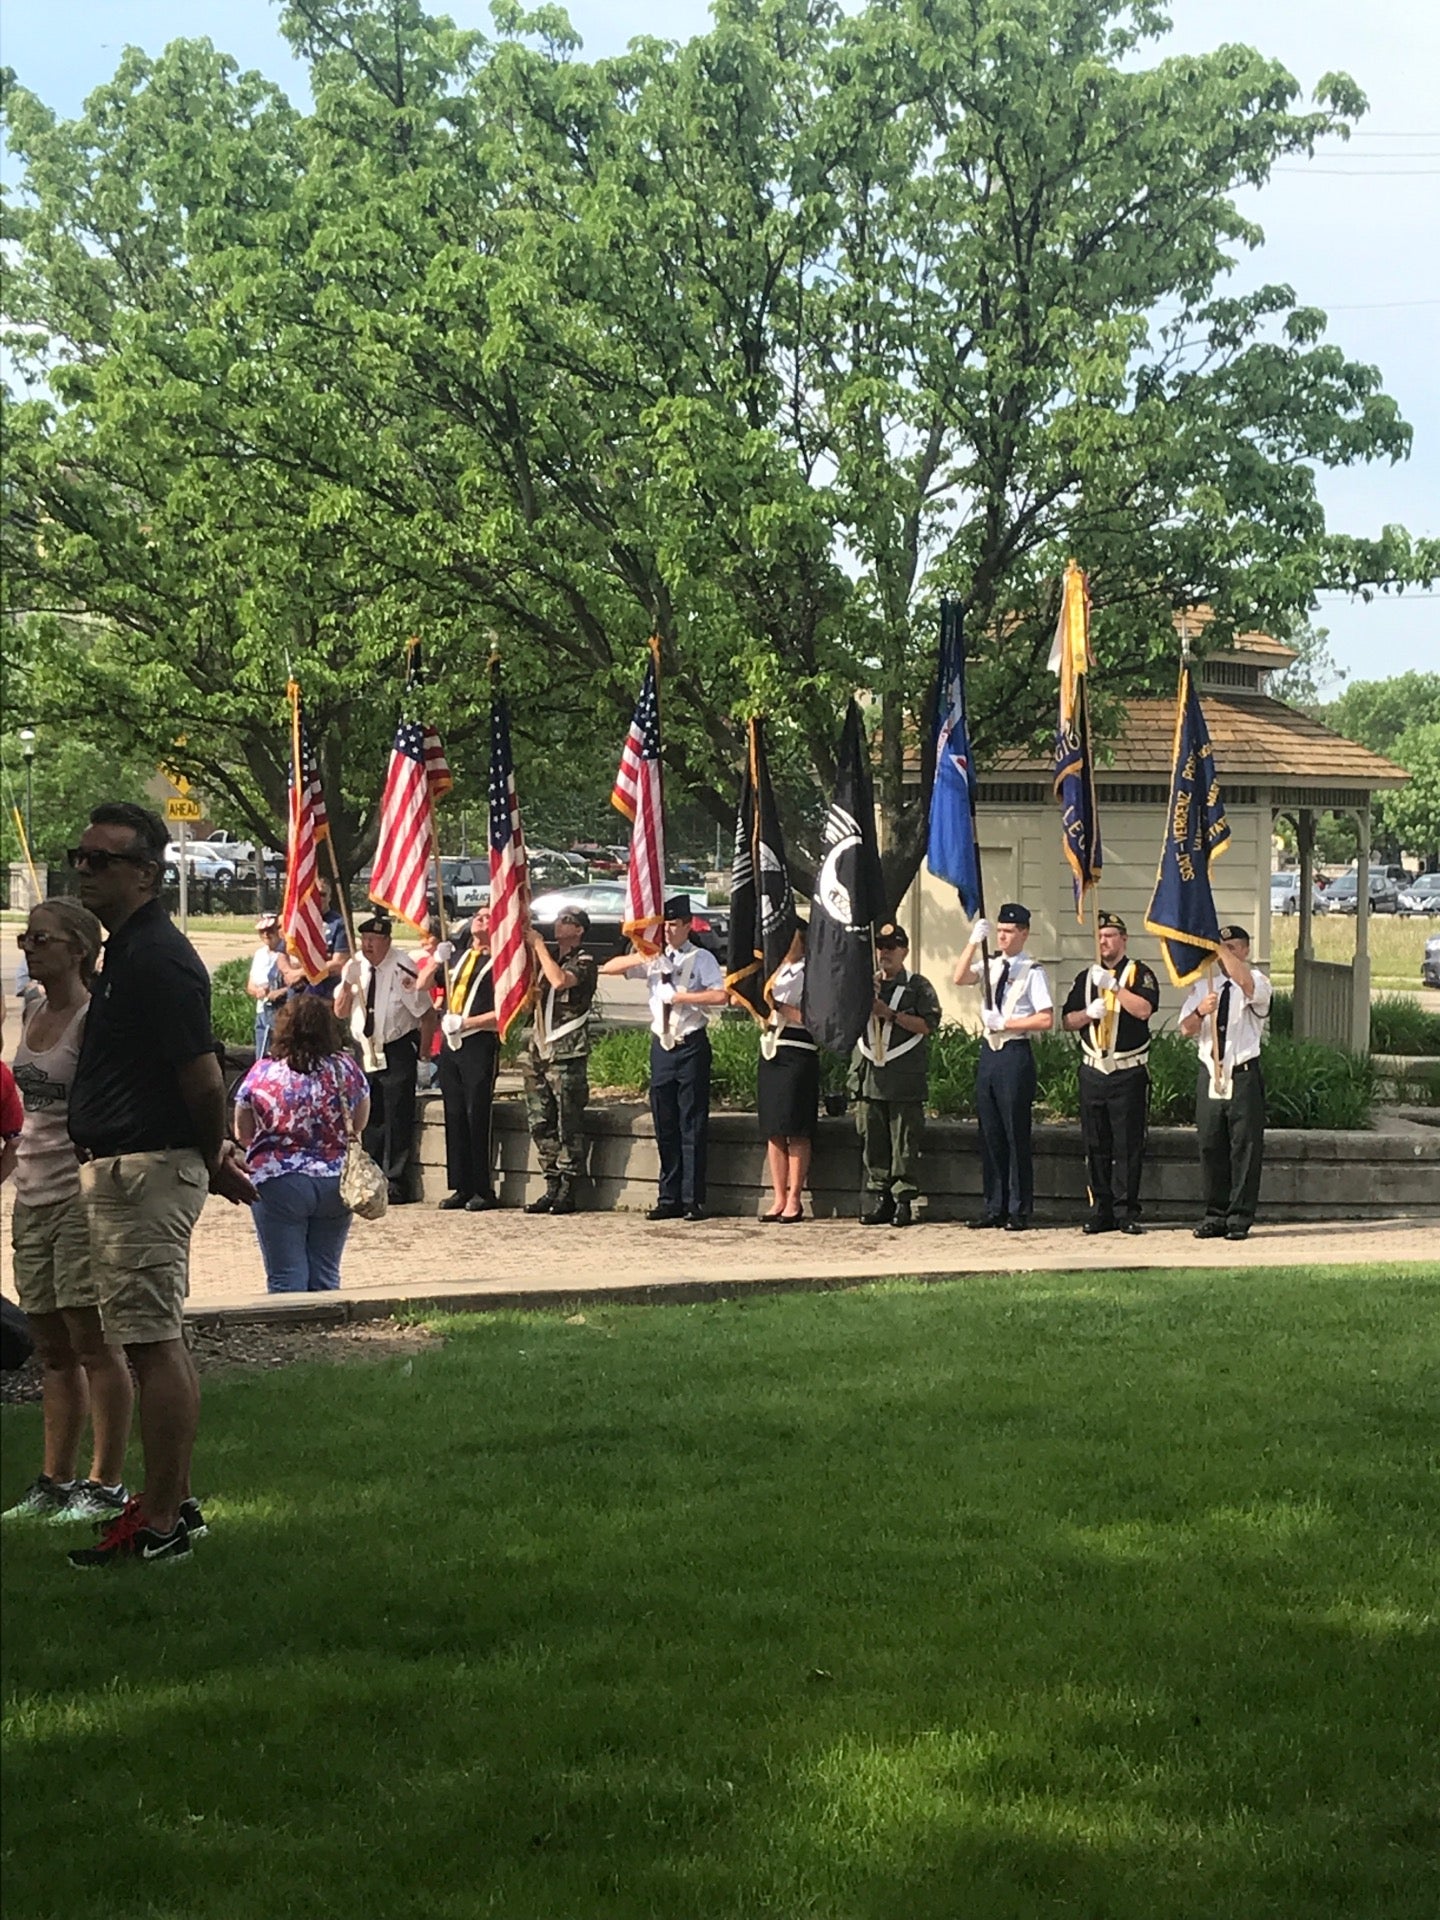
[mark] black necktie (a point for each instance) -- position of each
(370, 1007)
(1222, 1019)
(1001, 984)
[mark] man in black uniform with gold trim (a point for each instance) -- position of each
(1109, 1009)
(469, 1062)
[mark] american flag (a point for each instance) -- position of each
(639, 794)
(509, 882)
(418, 775)
(300, 916)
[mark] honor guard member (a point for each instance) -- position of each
(469, 1061)
(1109, 1009)
(1020, 1004)
(683, 981)
(556, 1061)
(379, 997)
(1226, 1020)
(891, 1077)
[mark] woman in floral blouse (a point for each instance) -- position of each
(293, 1114)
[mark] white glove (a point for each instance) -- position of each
(667, 992)
(981, 930)
(1097, 1010)
(444, 953)
(994, 1020)
(1102, 979)
(350, 973)
(451, 1023)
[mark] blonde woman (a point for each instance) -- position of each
(83, 1375)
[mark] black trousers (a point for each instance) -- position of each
(1232, 1145)
(389, 1139)
(1113, 1109)
(680, 1108)
(1004, 1097)
(467, 1087)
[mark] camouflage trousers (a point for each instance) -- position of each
(556, 1093)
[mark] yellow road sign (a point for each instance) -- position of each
(180, 808)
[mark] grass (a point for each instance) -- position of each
(1065, 1595)
(1396, 946)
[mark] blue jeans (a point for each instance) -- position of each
(302, 1224)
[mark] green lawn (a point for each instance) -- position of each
(1098, 1596)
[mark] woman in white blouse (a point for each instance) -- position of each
(788, 1089)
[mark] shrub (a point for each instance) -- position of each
(1282, 1014)
(621, 1059)
(232, 1011)
(1308, 1084)
(1399, 1024)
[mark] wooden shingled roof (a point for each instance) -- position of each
(1257, 741)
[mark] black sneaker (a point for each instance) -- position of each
(192, 1519)
(128, 1538)
(41, 1500)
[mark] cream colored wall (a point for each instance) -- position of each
(1022, 860)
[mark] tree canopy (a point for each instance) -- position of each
(756, 342)
(1401, 719)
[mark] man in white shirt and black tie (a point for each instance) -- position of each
(379, 997)
(1226, 1020)
(684, 980)
(1020, 1004)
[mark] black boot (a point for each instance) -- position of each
(564, 1200)
(546, 1201)
(882, 1213)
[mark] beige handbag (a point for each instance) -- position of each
(363, 1187)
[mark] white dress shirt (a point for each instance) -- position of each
(1027, 990)
(689, 969)
(1244, 1023)
(399, 1003)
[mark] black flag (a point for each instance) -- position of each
(762, 902)
(849, 899)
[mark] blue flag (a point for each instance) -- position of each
(951, 853)
(1182, 909)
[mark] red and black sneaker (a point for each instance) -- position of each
(128, 1538)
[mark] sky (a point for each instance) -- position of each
(1355, 231)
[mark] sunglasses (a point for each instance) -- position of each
(97, 859)
(32, 942)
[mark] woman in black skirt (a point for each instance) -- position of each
(789, 1089)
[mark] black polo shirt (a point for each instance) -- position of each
(1130, 1034)
(149, 1014)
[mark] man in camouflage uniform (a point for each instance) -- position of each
(891, 1077)
(554, 1065)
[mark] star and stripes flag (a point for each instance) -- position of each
(509, 879)
(639, 794)
(301, 918)
(418, 776)
(1074, 763)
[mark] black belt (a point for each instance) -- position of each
(86, 1154)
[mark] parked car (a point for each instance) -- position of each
(1285, 894)
(1422, 895)
(202, 862)
(600, 859)
(1430, 964)
(1384, 894)
(605, 904)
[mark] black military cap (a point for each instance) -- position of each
(1235, 933)
(1012, 914)
(377, 923)
(892, 934)
(1113, 921)
(678, 907)
(577, 914)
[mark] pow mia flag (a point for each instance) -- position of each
(849, 898)
(762, 902)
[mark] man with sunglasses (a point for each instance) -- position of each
(555, 1066)
(148, 1119)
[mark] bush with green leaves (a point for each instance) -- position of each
(232, 1011)
(1399, 1024)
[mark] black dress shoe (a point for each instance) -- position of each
(1238, 1233)
(695, 1213)
(902, 1216)
(1210, 1230)
(455, 1203)
(663, 1212)
(990, 1220)
(1098, 1226)
(543, 1203)
(1017, 1223)
(1131, 1226)
(881, 1214)
(481, 1203)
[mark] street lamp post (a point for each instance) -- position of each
(27, 747)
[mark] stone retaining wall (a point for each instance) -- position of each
(1308, 1175)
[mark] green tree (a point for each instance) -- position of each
(756, 342)
(1400, 718)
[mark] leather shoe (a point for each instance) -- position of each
(481, 1203)
(542, 1203)
(902, 1216)
(665, 1213)
(455, 1203)
(990, 1220)
(881, 1214)
(1210, 1230)
(694, 1213)
(1238, 1233)
(1098, 1226)
(564, 1201)
(1131, 1226)
(1017, 1224)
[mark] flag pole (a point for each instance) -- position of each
(412, 654)
(1181, 692)
(986, 987)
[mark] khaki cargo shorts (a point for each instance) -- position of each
(142, 1210)
(51, 1244)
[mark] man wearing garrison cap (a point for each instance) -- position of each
(379, 997)
(1226, 1020)
(1109, 1010)
(891, 1077)
(1019, 1004)
(684, 981)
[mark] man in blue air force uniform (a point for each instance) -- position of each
(1020, 1004)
